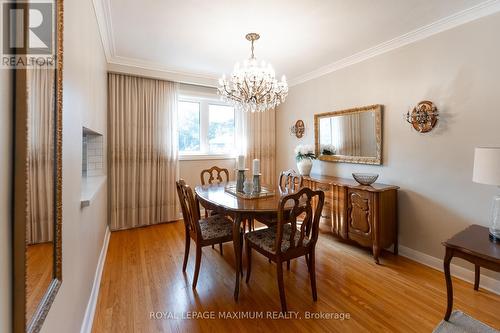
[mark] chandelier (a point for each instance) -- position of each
(253, 87)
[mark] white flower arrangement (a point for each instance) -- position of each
(304, 151)
(328, 149)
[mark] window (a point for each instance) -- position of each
(189, 126)
(220, 129)
(206, 127)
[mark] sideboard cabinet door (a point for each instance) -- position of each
(360, 216)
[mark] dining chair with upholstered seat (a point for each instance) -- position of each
(289, 240)
(214, 175)
(290, 181)
(215, 229)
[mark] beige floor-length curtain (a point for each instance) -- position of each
(143, 158)
(259, 141)
(41, 99)
(347, 130)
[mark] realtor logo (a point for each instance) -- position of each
(27, 33)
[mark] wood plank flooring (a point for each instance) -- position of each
(39, 262)
(143, 274)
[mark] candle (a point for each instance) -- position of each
(241, 162)
(256, 167)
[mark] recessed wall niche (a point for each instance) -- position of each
(92, 153)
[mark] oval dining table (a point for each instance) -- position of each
(215, 198)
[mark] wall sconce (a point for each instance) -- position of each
(423, 117)
(298, 129)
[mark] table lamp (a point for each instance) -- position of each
(487, 171)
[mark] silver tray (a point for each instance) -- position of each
(264, 192)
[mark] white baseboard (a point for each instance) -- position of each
(88, 319)
(462, 273)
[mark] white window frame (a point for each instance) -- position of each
(204, 154)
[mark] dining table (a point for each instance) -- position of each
(216, 198)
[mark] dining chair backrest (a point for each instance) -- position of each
(290, 181)
(214, 175)
(189, 206)
(309, 214)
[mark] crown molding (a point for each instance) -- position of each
(119, 64)
(102, 11)
(138, 67)
(473, 13)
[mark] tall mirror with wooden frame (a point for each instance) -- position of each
(37, 255)
(352, 136)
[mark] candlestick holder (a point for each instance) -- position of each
(256, 183)
(240, 179)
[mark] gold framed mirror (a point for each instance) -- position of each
(351, 136)
(37, 211)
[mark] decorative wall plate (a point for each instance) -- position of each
(298, 129)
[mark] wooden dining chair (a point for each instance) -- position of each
(215, 229)
(214, 175)
(287, 240)
(290, 181)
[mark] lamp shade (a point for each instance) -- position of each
(487, 166)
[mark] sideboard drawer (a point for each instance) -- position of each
(323, 187)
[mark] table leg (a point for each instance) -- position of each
(477, 276)
(237, 253)
(449, 286)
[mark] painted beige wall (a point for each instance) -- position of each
(5, 199)
(84, 105)
(459, 70)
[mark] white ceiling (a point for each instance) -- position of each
(297, 36)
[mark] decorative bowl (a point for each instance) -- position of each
(365, 178)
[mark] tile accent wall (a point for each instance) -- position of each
(92, 154)
(84, 155)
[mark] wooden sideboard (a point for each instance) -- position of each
(367, 215)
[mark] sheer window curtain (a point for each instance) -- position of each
(143, 157)
(346, 131)
(352, 126)
(258, 140)
(40, 212)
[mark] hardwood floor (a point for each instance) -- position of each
(39, 262)
(143, 274)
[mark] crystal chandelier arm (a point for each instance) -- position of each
(259, 87)
(231, 95)
(269, 91)
(227, 92)
(246, 90)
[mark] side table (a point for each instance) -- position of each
(473, 245)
